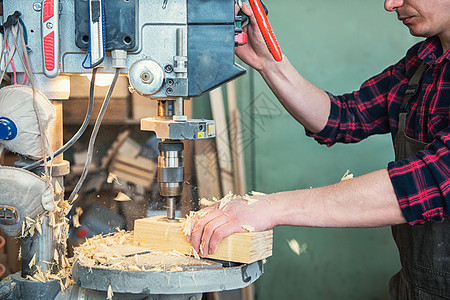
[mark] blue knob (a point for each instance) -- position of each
(8, 129)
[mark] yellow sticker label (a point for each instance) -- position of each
(201, 135)
(211, 129)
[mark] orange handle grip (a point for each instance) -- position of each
(266, 30)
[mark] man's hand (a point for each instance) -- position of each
(255, 53)
(212, 224)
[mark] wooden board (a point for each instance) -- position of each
(240, 185)
(206, 169)
(222, 141)
(79, 88)
(156, 234)
(138, 162)
(129, 148)
(143, 107)
(74, 111)
(129, 177)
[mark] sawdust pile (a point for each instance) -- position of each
(117, 252)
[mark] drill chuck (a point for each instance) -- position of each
(170, 173)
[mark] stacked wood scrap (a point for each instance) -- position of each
(220, 165)
(129, 166)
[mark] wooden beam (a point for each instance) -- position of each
(187, 200)
(240, 185)
(206, 169)
(222, 141)
(156, 234)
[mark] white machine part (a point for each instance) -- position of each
(16, 104)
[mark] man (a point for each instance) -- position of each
(411, 100)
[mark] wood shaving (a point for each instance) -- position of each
(187, 224)
(58, 188)
(110, 293)
(121, 197)
(296, 248)
(257, 193)
(225, 200)
(76, 221)
(38, 227)
(249, 199)
(194, 253)
(32, 278)
(347, 176)
(31, 226)
(52, 220)
(79, 210)
(67, 207)
(39, 276)
(56, 256)
(76, 217)
(248, 228)
(206, 203)
(32, 261)
(111, 178)
(202, 245)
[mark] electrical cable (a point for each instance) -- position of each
(80, 131)
(93, 138)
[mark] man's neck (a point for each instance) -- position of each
(445, 43)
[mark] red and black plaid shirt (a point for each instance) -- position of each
(421, 182)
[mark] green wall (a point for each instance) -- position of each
(336, 44)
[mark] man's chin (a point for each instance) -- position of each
(417, 33)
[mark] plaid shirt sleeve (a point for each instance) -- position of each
(422, 182)
(357, 115)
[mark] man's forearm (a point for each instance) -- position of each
(365, 201)
(305, 102)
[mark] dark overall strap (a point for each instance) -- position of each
(411, 146)
(413, 86)
(424, 249)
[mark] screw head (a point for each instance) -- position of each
(49, 25)
(169, 91)
(168, 69)
(146, 77)
(37, 6)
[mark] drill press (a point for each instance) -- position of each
(176, 50)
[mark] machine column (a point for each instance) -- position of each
(53, 237)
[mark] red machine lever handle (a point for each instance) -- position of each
(266, 29)
(50, 37)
